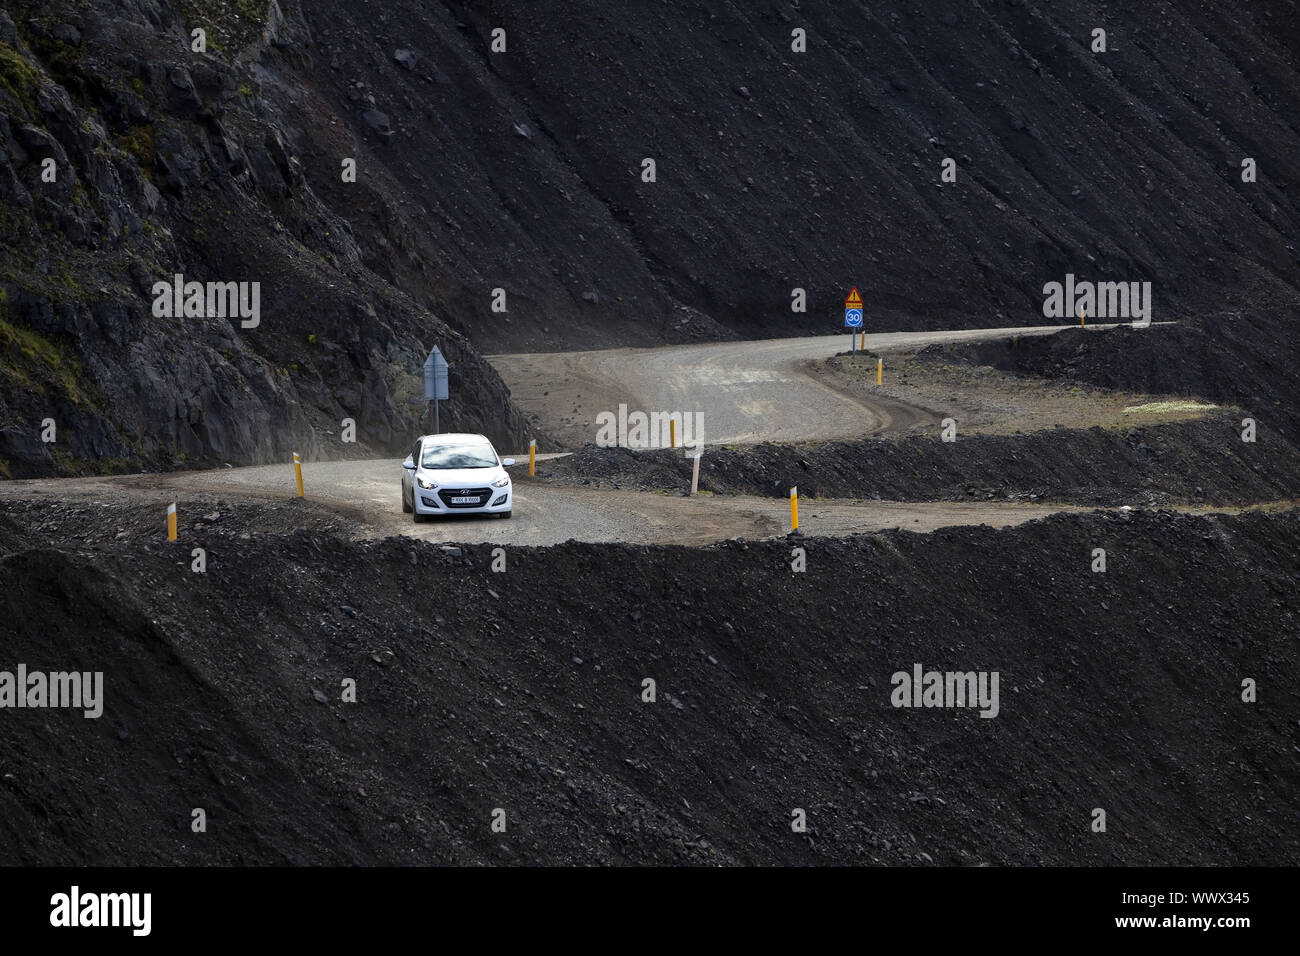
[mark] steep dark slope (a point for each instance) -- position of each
(820, 169)
(478, 690)
(520, 170)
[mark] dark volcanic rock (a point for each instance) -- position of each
(379, 124)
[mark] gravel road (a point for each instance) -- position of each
(745, 391)
(366, 494)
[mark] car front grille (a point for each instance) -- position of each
(482, 494)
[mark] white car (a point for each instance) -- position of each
(454, 475)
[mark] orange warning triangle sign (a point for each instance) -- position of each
(854, 301)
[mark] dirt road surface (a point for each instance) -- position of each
(745, 391)
(365, 493)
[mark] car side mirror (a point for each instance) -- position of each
(507, 462)
(408, 464)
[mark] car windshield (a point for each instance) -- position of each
(465, 455)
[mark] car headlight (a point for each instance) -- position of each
(501, 482)
(426, 483)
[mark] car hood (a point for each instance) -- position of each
(462, 477)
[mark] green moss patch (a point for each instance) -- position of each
(18, 76)
(231, 25)
(138, 141)
(31, 361)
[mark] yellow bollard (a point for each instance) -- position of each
(672, 432)
(1081, 322)
(532, 457)
(863, 346)
(297, 469)
(794, 508)
(880, 371)
(171, 521)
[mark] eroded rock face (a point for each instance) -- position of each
(127, 159)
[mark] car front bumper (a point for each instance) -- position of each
(438, 501)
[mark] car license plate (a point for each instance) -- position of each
(464, 501)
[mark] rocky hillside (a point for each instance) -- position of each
(167, 161)
(521, 169)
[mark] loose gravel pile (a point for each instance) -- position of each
(1202, 461)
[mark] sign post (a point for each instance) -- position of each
(853, 318)
(435, 383)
